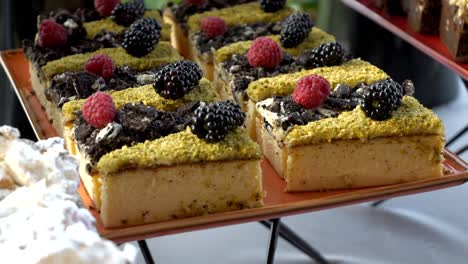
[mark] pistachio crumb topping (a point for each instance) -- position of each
(162, 53)
(180, 148)
(350, 73)
(410, 119)
(315, 38)
(239, 14)
(147, 95)
(94, 27)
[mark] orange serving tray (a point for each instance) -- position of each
(398, 25)
(277, 203)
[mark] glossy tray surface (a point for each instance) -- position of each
(277, 203)
(398, 25)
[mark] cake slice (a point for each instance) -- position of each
(355, 136)
(454, 28)
(212, 30)
(177, 14)
(178, 164)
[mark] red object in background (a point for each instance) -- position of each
(398, 25)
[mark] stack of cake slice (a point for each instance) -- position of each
(155, 143)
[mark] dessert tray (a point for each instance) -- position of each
(277, 202)
(429, 44)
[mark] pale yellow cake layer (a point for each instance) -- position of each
(148, 96)
(350, 73)
(163, 53)
(94, 27)
(410, 119)
(179, 148)
(346, 164)
(352, 164)
(315, 38)
(240, 14)
(141, 196)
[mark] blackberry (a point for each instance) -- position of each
(309, 59)
(141, 37)
(295, 29)
(174, 80)
(126, 13)
(331, 53)
(212, 122)
(271, 6)
(327, 54)
(381, 99)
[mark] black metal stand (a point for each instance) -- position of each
(377, 203)
(145, 252)
(294, 239)
(275, 227)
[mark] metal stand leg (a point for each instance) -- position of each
(145, 252)
(457, 136)
(377, 203)
(273, 240)
(289, 235)
(462, 150)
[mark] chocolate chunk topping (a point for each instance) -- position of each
(342, 98)
(243, 74)
(80, 85)
(134, 123)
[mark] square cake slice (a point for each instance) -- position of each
(243, 22)
(177, 14)
(149, 165)
(359, 137)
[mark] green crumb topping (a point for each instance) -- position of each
(239, 14)
(163, 53)
(350, 73)
(148, 95)
(315, 38)
(94, 27)
(179, 148)
(410, 119)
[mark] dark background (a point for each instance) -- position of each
(434, 83)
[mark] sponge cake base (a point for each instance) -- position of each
(346, 164)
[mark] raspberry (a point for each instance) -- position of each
(213, 26)
(99, 110)
(52, 35)
(105, 7)
(311, 91)
(101, 65)
(194, 2)
(265, 53)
